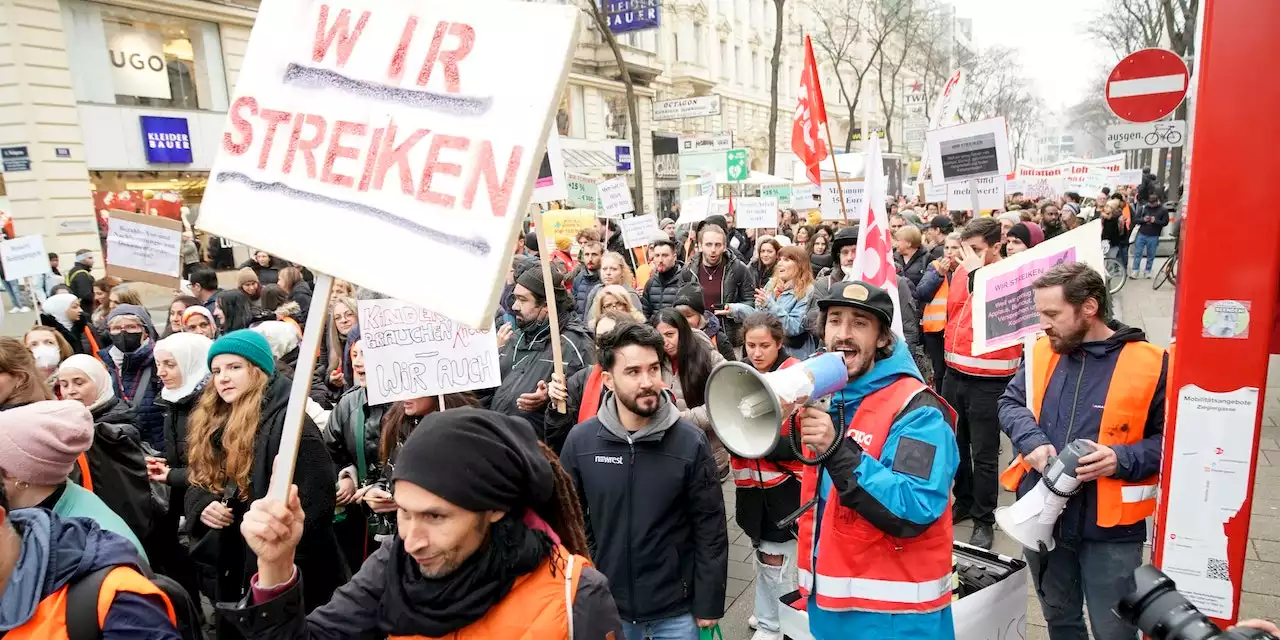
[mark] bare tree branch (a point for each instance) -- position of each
(633, 110)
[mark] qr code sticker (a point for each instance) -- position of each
(1217, 570)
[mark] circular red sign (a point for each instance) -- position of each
(1147, 85)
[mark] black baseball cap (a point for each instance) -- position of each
(860, 295)
(843, 238)
(943, 224)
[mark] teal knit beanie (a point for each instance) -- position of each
(247, 344)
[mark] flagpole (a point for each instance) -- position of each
(839, 187)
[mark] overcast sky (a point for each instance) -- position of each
(1049, 35)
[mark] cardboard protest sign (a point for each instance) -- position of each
(551, 184)
(639, 231)
(1004, 308)
(756, 213)
(412, 352)
(1072, 174)
(937, 193)
(990, 195)
(854, 200)
(615, 197)
(695, 209)
(377, 141)
(567, 223)
(804, 197)
(580, 191)
(969, 151)
(145, 248)
(24, 257)
(1015, 185)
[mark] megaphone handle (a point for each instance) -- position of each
(795, 515)
(798, 447)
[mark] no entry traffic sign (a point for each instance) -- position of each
(1147, 85)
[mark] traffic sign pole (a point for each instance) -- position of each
(1237, 35)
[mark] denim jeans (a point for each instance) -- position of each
(773, 582)
(1119, 252)
(1093, 574)
(15, 292)
(1145, 245)
(677, 628)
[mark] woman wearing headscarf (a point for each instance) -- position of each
(233, 437)
(62, 313)
(39, 446)
(181, 365)
(116, 462)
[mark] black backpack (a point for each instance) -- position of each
(118, 475)
(82, 605)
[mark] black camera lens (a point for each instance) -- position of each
(1159, 611)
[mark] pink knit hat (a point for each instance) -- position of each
(39, 442)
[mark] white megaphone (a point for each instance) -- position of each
(747, 407)
(1030, 520)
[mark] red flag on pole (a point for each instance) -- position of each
(811, 114)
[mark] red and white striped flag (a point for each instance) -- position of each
(874, 263)
(807, 141)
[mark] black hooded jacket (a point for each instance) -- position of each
(527, 358)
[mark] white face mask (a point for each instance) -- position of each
(46, 356)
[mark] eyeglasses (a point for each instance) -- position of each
(613, 305)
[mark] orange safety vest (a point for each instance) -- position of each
(763, 474)
(861, 568)
(590, 404)
(958, 344)
(539, 605)
(935, 313)
(50, 619)
(1133, 384)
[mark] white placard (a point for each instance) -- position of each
(969, 151)
(854, 200)
(615, 197)
(426, 167)
(23, 257)
(1212, 453)
(551, 182)
(1015, 185)
(1127, 178)
(686, 108)
(413, 352)
(695, 209)
(990, 195)
(756, 213)
(1052, 180)
(718, 143)
(938, 193)
(138, 66)
(1146, 135)
(639, 231)
(803, 197)
(144, 247)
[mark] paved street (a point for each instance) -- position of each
(1138, 306)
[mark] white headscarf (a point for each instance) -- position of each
(191, 350)
(282, 336)
(97, 372)
(57, 307)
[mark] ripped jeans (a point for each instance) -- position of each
(773, 582)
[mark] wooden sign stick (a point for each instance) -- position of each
(287, 456)
(553, 314)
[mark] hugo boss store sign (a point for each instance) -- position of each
(138, 66)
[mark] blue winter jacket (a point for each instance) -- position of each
(1072, 409)
(901, 504)
(130, 381)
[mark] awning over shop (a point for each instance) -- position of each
(581, 161)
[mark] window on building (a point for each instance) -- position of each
(570, 119)
(755, 69)
(726, 62)
(742, 71)
(675, 47)
(698, 54)
(615, 116)
(139, 58)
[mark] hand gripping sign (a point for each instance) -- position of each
(391, 144)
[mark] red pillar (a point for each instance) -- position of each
(1230, 252)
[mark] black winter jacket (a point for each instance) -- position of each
(317, 557)
(527, 358)
(340, 432)
(75, 336)
(912, 269)
(118, 466)
(176, 415)
(654, 515)
(739, 286)
(559, 424)
(661, 289)
(136, 382)
(583, 282)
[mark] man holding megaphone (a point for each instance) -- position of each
(1100, 382)
(875, 555)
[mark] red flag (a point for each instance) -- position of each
(811, 114)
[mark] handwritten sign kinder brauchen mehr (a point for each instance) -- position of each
(412, 352)
(382, 142)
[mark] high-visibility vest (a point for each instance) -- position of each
(1133, 385)
(763, 474)
(861, 568)
(589, 406)
(539, 604)
(935, 313)
(49, 622)
(958, 345)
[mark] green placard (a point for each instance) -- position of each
(581, 190)
(735, 161)
(781, 192)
